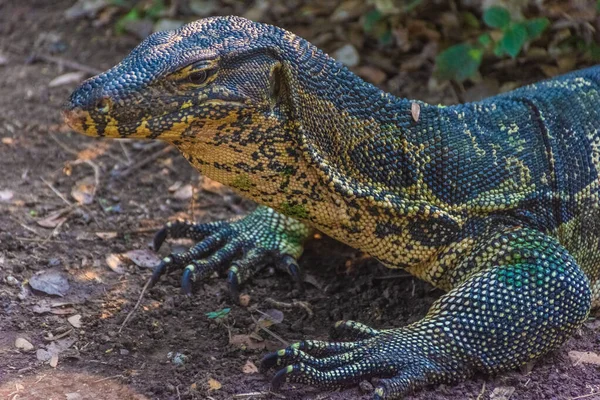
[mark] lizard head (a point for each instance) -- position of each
(190, 83)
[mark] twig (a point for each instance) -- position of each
(109, 377)
(393, 276)
(136, 305)
(585, 396)
(300, 304)
(59, 194)
(57, 337)
(480, 397)
(258, 394)
(270, 332)
(66, 63)
(145, 161)
(30, 230)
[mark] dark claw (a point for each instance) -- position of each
(291, 265)
(233, 284)
(270, 360)
(159, 270)
(186, 280)
(279, 378)
(159, 238)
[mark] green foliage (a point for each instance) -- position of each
(459, 62)
(152, 9)
(378, 21)
(462, 61)
(496, 17)
(218, 314)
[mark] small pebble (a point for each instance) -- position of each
(23, 344)
(366, 387)
(12, 281)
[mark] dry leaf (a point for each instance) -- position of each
(50, 282)
(250, 368)
(143, 258)
(214, 384)
(75, 320)
(502, 393)
(586, 357)
(53, 220)
(246, 341)
(115, 263)
(84, 191)
(106, 235)
(63, 311)
(66, 79)
(271, 317)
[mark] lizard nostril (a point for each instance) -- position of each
(103, 105)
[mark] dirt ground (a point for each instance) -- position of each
(170, 349)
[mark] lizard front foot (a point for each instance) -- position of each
(396, 357)
(244, 245)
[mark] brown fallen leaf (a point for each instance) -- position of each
(144, 258)
(586, 357)
(115, 263)
(63, 311)
(250, 368)
(53, 220)
(270, 317)
(107, 235)
(245, 341)
(84, 191)
(214, 384)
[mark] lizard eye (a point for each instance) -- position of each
(198, 77)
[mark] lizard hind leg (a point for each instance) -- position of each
(525, 296)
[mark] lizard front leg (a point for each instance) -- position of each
(244, 245)
(525, 297)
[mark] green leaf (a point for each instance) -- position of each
(218, 314)
(156, 9)
(485, 39)
(470, 20)
(496, 17)
(132, 15)
(458, 62)
(513, 40)
(371, 19)
(536, 26)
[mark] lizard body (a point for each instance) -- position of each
(496, 202)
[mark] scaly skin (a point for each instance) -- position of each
(496, 202)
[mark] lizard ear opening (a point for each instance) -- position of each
(276, 84)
